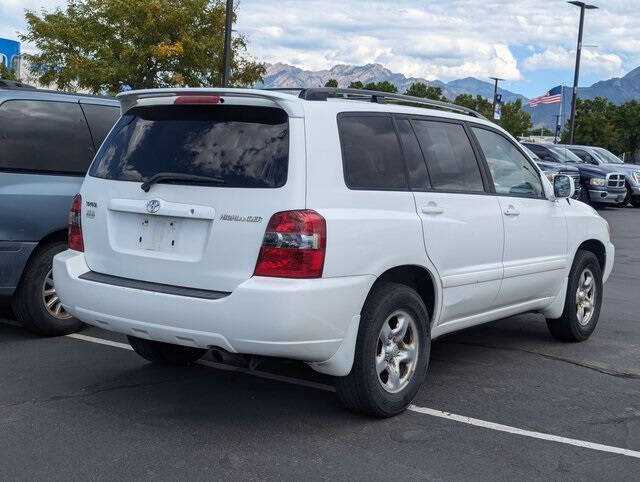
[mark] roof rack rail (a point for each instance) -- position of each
(323, 93)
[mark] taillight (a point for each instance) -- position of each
(75, 225)
(293, 245)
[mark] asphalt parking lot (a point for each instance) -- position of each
(88, 408)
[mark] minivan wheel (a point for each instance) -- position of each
(165, 353)
(583, 302)
(392, 353)
(36, 303)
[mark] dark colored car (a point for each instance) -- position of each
(550, 169)
(600, 184)
(47, 141)
(601, 157)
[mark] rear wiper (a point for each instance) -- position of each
(175, 176)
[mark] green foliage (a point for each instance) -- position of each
(7, 74)
(331, 83)
(419, 89)
(627, 123)
(107, 44)
(513, 119)
(384, 86)
(356, 85)
(595, 124)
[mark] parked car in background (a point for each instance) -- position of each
(599, 156)
(47, 140)
(343, 232)
(551, 169)
(600, 184)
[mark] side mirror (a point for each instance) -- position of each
(563, 186)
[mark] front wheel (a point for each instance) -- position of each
(392, 353)
(635, 201)
(165, 353)
(627, 197)
(583, 302)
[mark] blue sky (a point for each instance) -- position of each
(531, 43)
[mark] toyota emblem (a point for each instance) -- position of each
(153, 206)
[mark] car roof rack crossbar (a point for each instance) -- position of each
(323, 93)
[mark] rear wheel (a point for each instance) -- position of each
(36, 303)
(583, 302)
(165, 353)
(392, 353)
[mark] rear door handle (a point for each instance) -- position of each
(432, 208)
(511, 211)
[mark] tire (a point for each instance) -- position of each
(627, 197)
(569, 327)
(362, 390)
(635, 201)
(584, 196)
(165, 353)
(32, 296)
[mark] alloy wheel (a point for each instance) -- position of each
(397, 351)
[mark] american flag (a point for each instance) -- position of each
(552, 97)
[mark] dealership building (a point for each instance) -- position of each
(10, 54)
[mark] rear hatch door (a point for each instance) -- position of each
(222, 171)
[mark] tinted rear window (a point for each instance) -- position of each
(371, 153)
(450, 158)
(44, 136)
(243, 146)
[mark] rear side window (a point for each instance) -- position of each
(101, 119)
(243, 146)
(371, 153)
(44, 136)
(450, 158)
(413, 158)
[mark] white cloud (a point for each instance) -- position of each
(555, 58)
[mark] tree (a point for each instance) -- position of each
(514, 120)
(479, 104)
(331, 83)
(108, 45)
(7, 74)
(356, 85)
(384, 86)
(595, 124)
(419, 89)
(627, 122)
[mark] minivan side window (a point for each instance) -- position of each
(451, 162)
(101, 119)
(511, 171)
(371, 153)
(44, 136)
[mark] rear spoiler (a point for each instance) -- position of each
(291, 104)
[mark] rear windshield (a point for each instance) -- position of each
(243, 146)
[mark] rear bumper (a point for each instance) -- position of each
(13, 258)
(298, 319)
(606, 196)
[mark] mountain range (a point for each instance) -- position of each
(617, 90)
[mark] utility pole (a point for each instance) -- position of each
(226, 74)
(583, 6)
(495, 92)
(557, 129)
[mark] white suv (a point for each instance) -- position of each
(343, 228)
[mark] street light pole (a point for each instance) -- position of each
(226, 74)
(574, 98)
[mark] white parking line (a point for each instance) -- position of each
(413, 408)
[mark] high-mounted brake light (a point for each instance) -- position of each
(198, 99)
(293, 245)
(74, 236)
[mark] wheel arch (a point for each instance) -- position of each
(417, 277)
(55, 236)
(596, 247)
